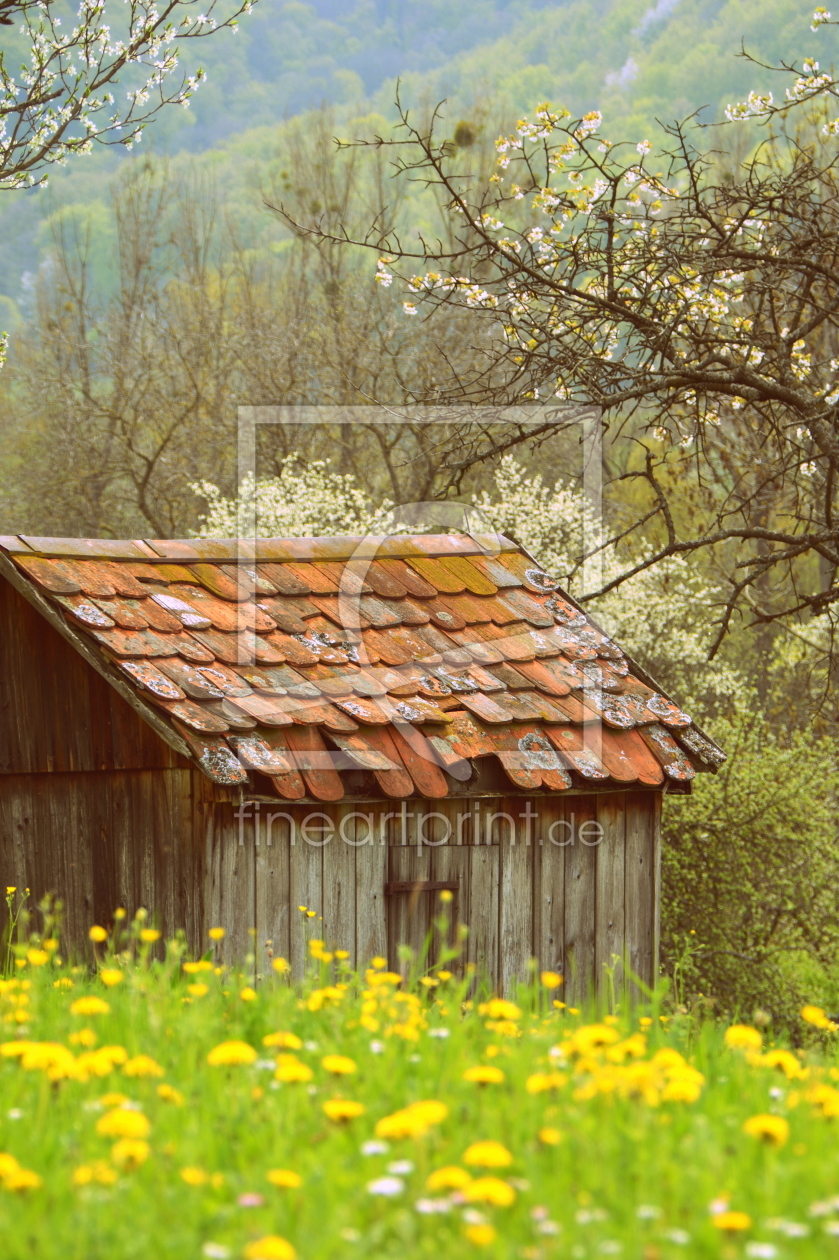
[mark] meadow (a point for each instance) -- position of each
(153, 1105)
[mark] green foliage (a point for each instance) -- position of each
(750, 869)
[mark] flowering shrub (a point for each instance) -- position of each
(516, 1128)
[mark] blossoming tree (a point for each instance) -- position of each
(59, 72)
(693, 297)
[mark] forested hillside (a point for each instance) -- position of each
(634, 60)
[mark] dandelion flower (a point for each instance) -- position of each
(774, 1130)
(817, 1017)
(149, 935)
(289, 1069)
(287, 1040)
(169, 1094)
(488, 1155)
(216, 934)
(340, 1110)
(111, 976)
(98, 934)
(481, 1235)
(551, 979)
(22, 1179)
(484, 1074)
(412, 1121)
(142, 1065)
(198, 990)
(89, 1006)
(451, 1177)
(549, 1136)
(123, 1123)
(37, 957)
(732, 1222)
(271, 1247)
(742, 1037)
(284, 1178)
(130, 1152)
(280, 965)
(229, 1053)
(338, 1065)
(499, 1008)
(247, 994)
(194, 1176)
(489, 1190)
(542, 1082)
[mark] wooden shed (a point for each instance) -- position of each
(223, 732)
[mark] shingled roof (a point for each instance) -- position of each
(307, 660)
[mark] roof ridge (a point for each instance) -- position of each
(244, 550)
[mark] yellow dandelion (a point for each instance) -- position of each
(21, 1180)
(290, 1069)
(551, 979)
(743, 1037)
(284, 1178)
(500, 1008)
(149, 935)
(130, 1152)
(286, 1040)
(338, 1065)
(451, 1177)
(412, 1121)
(281, 965)
(774, 1130)
(247, 994)
(271, 1247)
(37, 957)
(111, 976)
(484, 1074)
(169, 1094)
(198, 990)
(194, 1176)
(549, 1136)
(543, 1082)
(732, 1222)
(123, 1123)
(89, 1006)
(488, 1155)
(231, 1053)
(142, 1065)
(98, 934)
(481, 1235)
(489, 1190)
(216, 933)
(818, 1018)
(340, 1110)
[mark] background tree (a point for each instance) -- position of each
(694, 298)
(61, 99)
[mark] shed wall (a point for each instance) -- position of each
(56, 713)
(527, 887)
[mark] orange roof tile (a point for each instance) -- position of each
(405, 660)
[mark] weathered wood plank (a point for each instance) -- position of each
(515, 938)
(370, 900)
(482, 942)
(640, 884)
(306, 882)
(610, 924)
(656, 885)
(339, 881)
(580, 900)
(549, 886)
(274, 915)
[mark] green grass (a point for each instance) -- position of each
(632, 1173)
